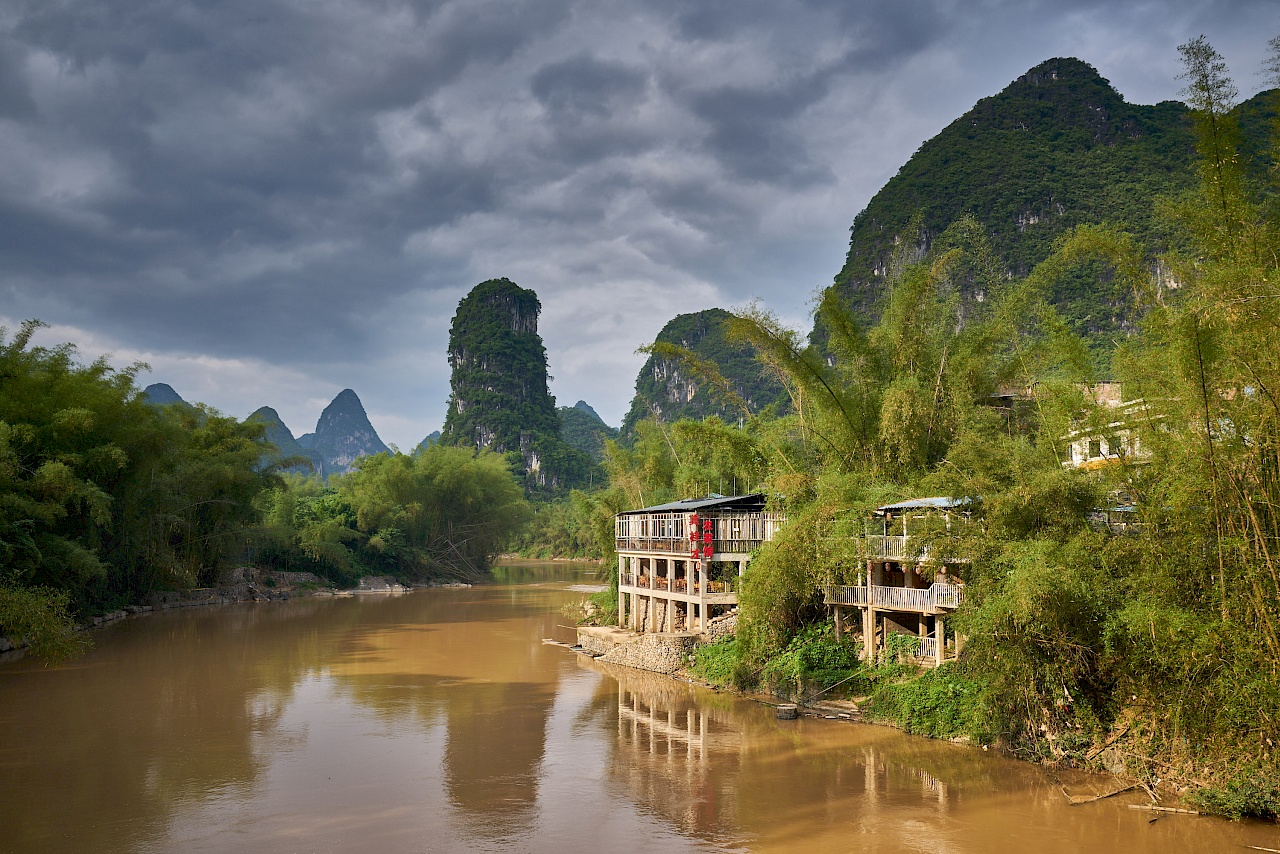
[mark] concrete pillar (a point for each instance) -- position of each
(622, 597)
(839, 622)
(869, 634)
(940, 634)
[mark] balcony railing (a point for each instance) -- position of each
(667, 533)
(936, 597)
(885, 547)
(674, 585)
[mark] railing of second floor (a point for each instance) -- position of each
(668, 532)
(932, 598)
(886, 547)
(674, 585)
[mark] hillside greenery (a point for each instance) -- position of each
(1163, 636)
(668, 391)
(1058, 148)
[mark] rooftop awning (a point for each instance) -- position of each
(941, 502)
(745, 503)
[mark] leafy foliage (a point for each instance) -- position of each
(499, 398)
(443, 512)
(1057, 149)
(666, 389)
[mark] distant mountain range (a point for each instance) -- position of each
(343, 433)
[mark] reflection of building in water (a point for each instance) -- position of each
(674, 756)
(715, 765)
(882, 779)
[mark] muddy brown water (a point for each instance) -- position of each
(439, 721)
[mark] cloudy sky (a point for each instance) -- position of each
(271, 200)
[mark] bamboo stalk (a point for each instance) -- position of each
(1075, 801)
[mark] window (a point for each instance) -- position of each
(1095, 448)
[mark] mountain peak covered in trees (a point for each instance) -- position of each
(1056, 148)
(499, 398)
(582, 427)
(668, 391)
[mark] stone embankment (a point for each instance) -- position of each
(660, 652)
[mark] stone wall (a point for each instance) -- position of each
(660, 653)
(721, 627)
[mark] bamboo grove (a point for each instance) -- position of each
(967, 385)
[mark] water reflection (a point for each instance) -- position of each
(439, 721)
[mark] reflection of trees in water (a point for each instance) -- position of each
(174, 708)
(493, 757)
(519, 572)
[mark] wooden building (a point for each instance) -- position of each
(679, 563)
(891, 595)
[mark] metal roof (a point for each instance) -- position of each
(754, 501)
(940, 502)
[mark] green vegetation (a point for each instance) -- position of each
(500, 400)
(668, 391)
(104, 497)
(1168, 632)
(442, 513)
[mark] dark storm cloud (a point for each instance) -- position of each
(313, 185)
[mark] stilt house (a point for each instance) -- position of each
(679, 563)
(892, 595)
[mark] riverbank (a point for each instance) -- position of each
(245, 584)
(936, 703)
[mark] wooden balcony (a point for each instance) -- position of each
(667, 533)
(935, 599)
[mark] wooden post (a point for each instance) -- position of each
(839, 623)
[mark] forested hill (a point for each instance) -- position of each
(499, 399)
(1057, 148)
(582, 427)
(668, 390)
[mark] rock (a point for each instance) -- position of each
(788, 712)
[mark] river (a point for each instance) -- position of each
(439, 721)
